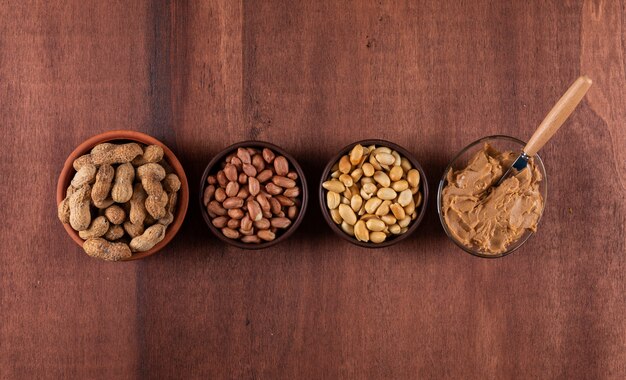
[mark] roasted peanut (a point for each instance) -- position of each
(122, 189)
(151, 175)
(115, 214)
(151, 237)
(102, 249)
(81, 161)
(63, 210)
(133, 229)
(98, 227)
(155, 205)
(107, 153)
(114, 232)
(137, 213)
(86, 175)
(171, 183)
(80, 216)
(108, 201)
(102, 186)
(151, 153)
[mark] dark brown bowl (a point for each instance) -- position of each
(210, 169)
(128, 136)
(423, 184)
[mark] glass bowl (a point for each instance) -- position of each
(460, 161)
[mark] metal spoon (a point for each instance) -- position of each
(552, 122)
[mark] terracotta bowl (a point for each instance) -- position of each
(67, 173)
(213, 168)
(423, 188)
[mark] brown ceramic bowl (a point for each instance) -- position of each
(128, 136)
(423, 188)
(213, 168)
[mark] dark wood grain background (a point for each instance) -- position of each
(312, 77)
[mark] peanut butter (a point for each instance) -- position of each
(488, 218)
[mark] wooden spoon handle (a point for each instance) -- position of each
(558, 114)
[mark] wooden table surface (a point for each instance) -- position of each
(312, 77)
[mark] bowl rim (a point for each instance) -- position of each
(443, 180)
(423, 184)
(83, 148)
(254, 144)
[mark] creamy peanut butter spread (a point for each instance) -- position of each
(488, 218)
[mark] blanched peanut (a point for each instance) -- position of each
(413, 177)
(347, 214)
(398, 211)
(394, 229)
(389, 219)
(360, 231)
(386, 193)
(383, 209)
(347, 228)
(375, 224)
(405, 197)
(372, 205)
(356, 202)
(334, 185)
(382, 178)
(385, 158)
(396, 173)
(335, 216)
(377, 237)
(356, 154)
(368, 170)
(332, 200)
(400, 185)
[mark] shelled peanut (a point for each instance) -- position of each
(253, 196)
(121, 199)
(373, 193)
